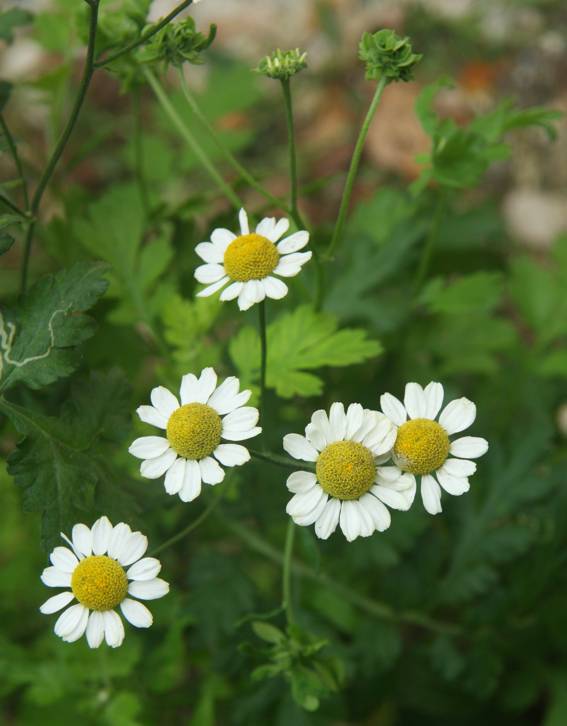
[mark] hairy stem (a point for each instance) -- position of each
(185, 132)
(17, 161)
(12, 206)
(294, 191)
(284, 461)
(58, 151)
(353, 169)
(263, 349)
(287, 602)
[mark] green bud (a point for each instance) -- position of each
(178, 43)
(282, 64)
(387, 55)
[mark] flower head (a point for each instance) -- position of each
(282, 65)
(178, 43)
(103, 568)
(387, 55)
(250, 261)
(348, 485)
(195, 426)
(423, 446)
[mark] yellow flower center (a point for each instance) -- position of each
(194, 431)
(422, 446)
(250, 257)
(346, 469)
(99, 582)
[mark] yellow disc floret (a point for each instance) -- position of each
(346, 469)
(99, 582)
(250, 257)
(194, 431)
(422, 446)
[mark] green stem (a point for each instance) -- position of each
(263, 350)
(287, 602)
(294, 211)
(58, 151)
(229, 156)
(375, 608)
(429, 245)
(191, 526)
(17, 161)
(12, 206)
(177, 121)
(354, 164)
(283, 461)
(145, 36)
(139, 151)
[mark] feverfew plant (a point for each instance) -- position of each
(115, 345)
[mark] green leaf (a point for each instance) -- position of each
(6, 240)
(12, 19)
(268, 633)
(39, 339)
(300, 341)
(479, 292)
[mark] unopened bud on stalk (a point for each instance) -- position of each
(282, 64)
(387, 55)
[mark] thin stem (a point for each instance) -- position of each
(372, 607)
(283, 461)
(191, 526)
(229, 156)
(12, 206)
(145, 36)
(58, 151)
(17, 161)
(139, 151)
(354, 164)
(185, 132)
(294, 192)
(263, 349)
(287, 602)
(429, 245)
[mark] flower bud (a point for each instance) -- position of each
(282, 65)
(387, 55)
(178, 43)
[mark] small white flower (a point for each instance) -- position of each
(250, 260)
(194, 430)
(104, 568)
(348, 485)
(422, 446)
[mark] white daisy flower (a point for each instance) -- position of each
(104, 568)
(250, 260)
(194, 430)
(348, 486)
(423, 447)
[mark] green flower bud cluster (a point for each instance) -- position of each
(178, 43)
(387, 55)
(282, 65)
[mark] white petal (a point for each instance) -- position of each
(221, 238)
(379, 513)
(113, 628)
(207, 274)
(118, 539)
(148, 589)
(404, 485)
(242, 419)
(304, 502)
(231, 454)
(381, 436)
(191, 483)
(414, 400)
(149, 447)
(458, 415)
(101, 531)
(327, 522)
(136, 613)
(211, 289)
(298, 447)
(207, 384)
(266, 226)
(433, 393)
(188, 391)
(226, 397)
(63, 559)
(132, 548)
(430, 494)
(469, 447)
(350, 520)
(290, 265)
(55, 603)
(54, 577)
(458, 467)
(144, 569)
(232, 291)
(154, 468)
(247, 295)
(337, 419)
(95, 629)
(234, 435)
(209, 252)
(369, 422)
(82, 539)
(274, 288)
(321, 421)
(164, 400)
(293, 243)
(391, 497)
(354, 416)
(393, 408)
(387, 474)
(150, 415)
(243, 220)
(301, 481)
(315, 436)
(367, 526)
(174, 476)
(455, 485)
(80, 626)
(211, 472)
(69, 620)
(306, 520)
(280, 228)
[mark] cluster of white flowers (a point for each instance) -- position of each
(360, 462)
